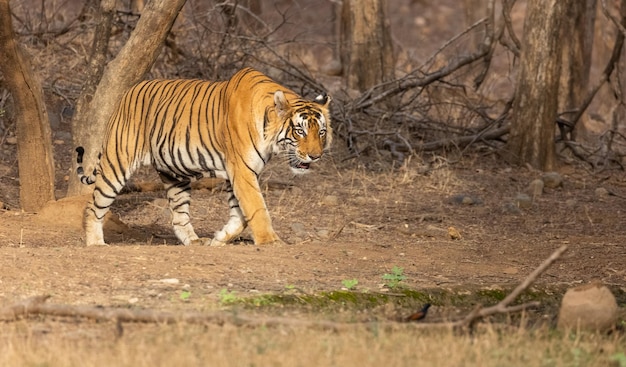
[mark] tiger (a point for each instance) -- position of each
(189, 129)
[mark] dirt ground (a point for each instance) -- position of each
(343, 221)
(347, 219)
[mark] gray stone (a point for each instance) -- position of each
(463, 199)
(523, 201)
(601, 193)
(512, 208)
(552, 180)
(467, 200)
(535, 188)
(299, 229)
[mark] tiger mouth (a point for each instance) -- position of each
(295, 163)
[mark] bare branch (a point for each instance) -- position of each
(507, 5)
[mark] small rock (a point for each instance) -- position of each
(522, 201)
(512, 208)
(601, 193)
(404, 228)
(464, 199)
(170, 281)
(361, 200)
(571, 203)
(299, 229)
(552, 180)
(323, 233)
(535, 188)
(590, 307)
(467, 200)
(330, 200)
(456, 199)
(11, 140)
(58, 142)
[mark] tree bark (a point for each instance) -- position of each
(367, 52)
(531, 140)
(34, 138)
(131, 64)
(576, 65)
(475, 10)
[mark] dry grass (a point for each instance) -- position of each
(87, 344)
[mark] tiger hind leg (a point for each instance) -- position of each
(104, 194)
(93, 225)
(236, 222)
(179, 198)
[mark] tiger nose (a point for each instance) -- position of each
(314, 157)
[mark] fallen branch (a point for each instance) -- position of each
(37, 306)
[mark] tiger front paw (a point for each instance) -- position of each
(216, 243)
(277, 242)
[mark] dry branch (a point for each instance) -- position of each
(404, 84)
(37, 306)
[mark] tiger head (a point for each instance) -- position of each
(307, 130)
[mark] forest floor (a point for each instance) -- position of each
(451, 227)
(341, 223)
(454, 233)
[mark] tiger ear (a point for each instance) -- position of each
(323, 99)
(281, 104)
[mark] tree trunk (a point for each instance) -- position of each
(475, 10)
(576, 65)
(367, 52)
(34, 144)
(131, 64)
(531, 140)
(97, 62)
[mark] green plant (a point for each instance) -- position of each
(393, 279)
(184, 295)
(227, 297)
(349, 283)
(619, 359)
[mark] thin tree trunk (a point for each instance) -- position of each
(475, 10)
(34, 139)
(131, 64)
(367, 52)
(576, 65)
(531, 140)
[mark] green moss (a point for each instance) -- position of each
(356, 300)
(492, 294)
